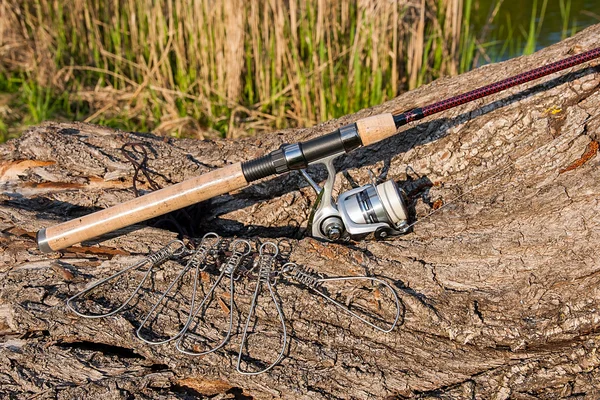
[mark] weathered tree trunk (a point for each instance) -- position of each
(499, 289)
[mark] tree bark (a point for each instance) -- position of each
(499, 287)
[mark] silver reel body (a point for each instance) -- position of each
(377, 209)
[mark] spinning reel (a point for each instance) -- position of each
(372, 208)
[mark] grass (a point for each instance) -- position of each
(231, 67)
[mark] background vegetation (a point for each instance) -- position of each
(236, 67)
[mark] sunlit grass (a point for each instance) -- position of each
(232, 67)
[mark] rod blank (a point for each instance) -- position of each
(232, 177)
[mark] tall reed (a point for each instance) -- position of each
(224, 67)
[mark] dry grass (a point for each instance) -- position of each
(223, 67)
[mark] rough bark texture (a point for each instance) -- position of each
(500, 289)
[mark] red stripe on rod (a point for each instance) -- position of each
(455, 101)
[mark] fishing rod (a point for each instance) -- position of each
(377, 209)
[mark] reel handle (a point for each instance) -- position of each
(183, 194)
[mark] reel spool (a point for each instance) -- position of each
(378, 209)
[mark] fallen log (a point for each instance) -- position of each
(499, 288)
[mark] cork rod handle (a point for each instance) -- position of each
(191, 191)
(376, 128)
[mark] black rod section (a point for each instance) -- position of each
(300, 155)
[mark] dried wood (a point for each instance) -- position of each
(500, 289)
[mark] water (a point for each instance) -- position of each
(518, 13)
